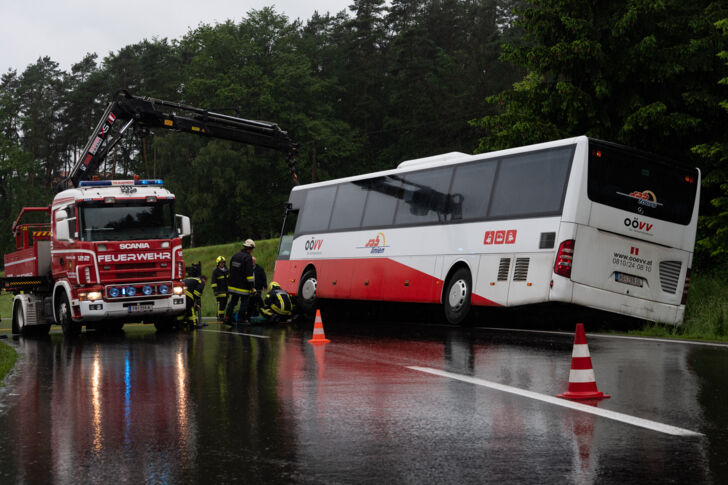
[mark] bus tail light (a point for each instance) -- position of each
(686, 288)
(564, 258)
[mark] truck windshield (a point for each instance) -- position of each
(124, 221)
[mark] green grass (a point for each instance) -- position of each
(706, 312)
(8, 356)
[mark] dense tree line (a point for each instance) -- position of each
(366, 88)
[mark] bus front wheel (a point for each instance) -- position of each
(457, 296)
(307, 292)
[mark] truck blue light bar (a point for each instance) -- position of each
(105, 183)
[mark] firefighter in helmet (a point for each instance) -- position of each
(277, 305)
(220, 277)
(194, 286)
(240, 283)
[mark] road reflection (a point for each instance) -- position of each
(267, 406)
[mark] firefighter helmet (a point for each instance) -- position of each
(273, 285)
(220, 259)
(249, 243)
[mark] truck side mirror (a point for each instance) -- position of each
(63, 230)
(184, 228)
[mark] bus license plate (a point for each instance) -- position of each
(141, 308)
(628, 279)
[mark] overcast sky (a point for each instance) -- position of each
(66, 30)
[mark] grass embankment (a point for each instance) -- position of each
(706, 312)
(8, 356)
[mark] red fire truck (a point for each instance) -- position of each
(111, 251)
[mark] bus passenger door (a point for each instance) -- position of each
(494, 274)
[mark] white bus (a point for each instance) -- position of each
(577, 221)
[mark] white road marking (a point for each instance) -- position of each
(236, 333)
(604, 335)
(624, 418)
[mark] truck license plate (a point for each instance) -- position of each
(141, 308)
(628, 279)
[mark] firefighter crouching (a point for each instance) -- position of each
(194, 286)
(277, 306)
(240, 283)
(220, 277)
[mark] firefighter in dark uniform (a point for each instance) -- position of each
(276, 307)
(194, 286)
(240, 283)
(220, 277)
(260, 283)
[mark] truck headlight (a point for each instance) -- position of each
(93, 295)
(179, 290)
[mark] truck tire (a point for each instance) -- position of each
(63, 313)
(18, 325)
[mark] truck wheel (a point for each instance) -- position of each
(63, 313)
(307, 292)
(18, 324)
(457, 296)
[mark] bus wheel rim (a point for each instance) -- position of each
(458, 292)
(309, 289)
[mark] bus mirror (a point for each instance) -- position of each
(184, 228)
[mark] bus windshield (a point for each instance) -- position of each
(635, 182)
(125, 221)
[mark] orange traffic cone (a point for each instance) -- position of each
(582, 383)
(318, 331)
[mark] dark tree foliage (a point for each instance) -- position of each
(638, 72)
(378, 83)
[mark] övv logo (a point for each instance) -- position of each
(637, 225)
(314, 244)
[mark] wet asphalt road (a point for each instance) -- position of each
(262, 405)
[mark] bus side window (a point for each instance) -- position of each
(382, 202)
(348, 206)
(317, 210)
(425, 197)
(471, 188)
(532, 183)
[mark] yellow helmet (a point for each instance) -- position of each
(273, 284)
(220, 259)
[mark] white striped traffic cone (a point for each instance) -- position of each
(318, 331)
(582, 383)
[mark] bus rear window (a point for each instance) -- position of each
(635, 182)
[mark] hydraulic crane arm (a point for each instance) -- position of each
(146, 113)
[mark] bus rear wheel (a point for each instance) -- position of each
(307, 292)
(456, 299)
